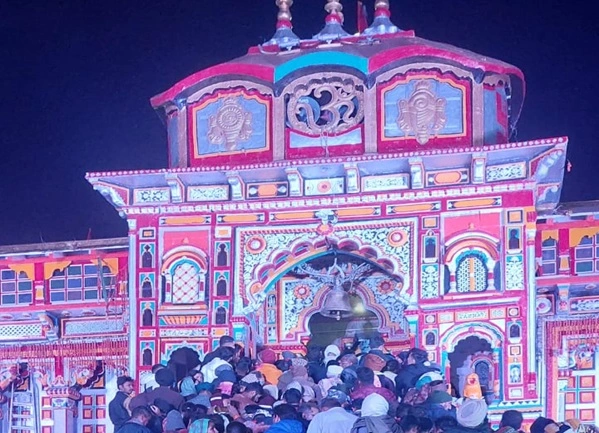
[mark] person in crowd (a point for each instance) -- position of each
(224, 341)
(307, 412)
(173, 422)
(118, 408)
(472, 416)
(140, 416)
(148, 381)
(188, 384)
(250, 395)
(285, 420)
(266, 365)
(365, 386)
(332, 418)
(409, 424)
(411, 372)
(333, 379)
(203, 425)
(511, 422)
(445, 424)
(331, 353)
(439, 405)
(222, 360)
(165, 379)
(544, 425)
(292, 397)
(237, 427)
(316, 369)
(375, 417)
(349, 361)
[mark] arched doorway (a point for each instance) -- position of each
(473, 355)
(182, 361)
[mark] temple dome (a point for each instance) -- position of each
(360, 95)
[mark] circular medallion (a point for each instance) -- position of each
(397, 238)
(543, 305)
(385, 287)
(301, 291)
(255, 244)
(324, 187)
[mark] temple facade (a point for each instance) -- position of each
(323, 190)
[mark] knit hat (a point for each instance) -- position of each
(165, 377)
(472, 413)
(300, 362)
(338, 395)
(287, 354)
(267, 356)
(374, 362)
(334, 371)
(374, 405)
(331, 353)
(174, 421)
(439, 397)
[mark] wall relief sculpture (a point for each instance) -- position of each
(423, 114)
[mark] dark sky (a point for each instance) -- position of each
(76, 78)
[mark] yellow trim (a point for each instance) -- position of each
(452, 83)
(113, 265)
(265, 100)
(179, 221)
(546, 234)
(28, 268)
(50, 267)
(577, 234)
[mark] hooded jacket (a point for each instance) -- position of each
(408, 376)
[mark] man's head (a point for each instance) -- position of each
(141, 414)
(511, 418)
(157, 367)
(253, 391)
(365, 376)
(417, 356)
(226, 341)
(329, 403)
(284, 411)
(445, 423)
(125, 384)
(409, 424)
(226, 353)
(292, 397)
(377, 342)
(308, 411)
(348, 360)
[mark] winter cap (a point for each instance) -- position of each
(438, 397)
(334, 371)
(472, 413)
(267, 356)
(331, 353)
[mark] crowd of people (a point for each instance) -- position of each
(326, 391)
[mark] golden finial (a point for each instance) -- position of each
(334, 7)
(333, 28)
(284, 10)
(382, 23)
(284, 36)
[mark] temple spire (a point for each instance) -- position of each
(284, 36)
(381, 24)
(333, 28)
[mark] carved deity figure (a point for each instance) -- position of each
(423, 114)
(464, 371)
(230, 125)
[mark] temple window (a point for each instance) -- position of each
(549, 257)
(586, 255)
(81, 283)
(15, 288)
(430, 248)
(220, 316)
(471, 274)
(187, 282)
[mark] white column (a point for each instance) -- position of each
(532, 300)
(132, 286)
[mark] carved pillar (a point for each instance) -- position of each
(491, 274)
(496, 373)
(531, 233)
(453, 285)
(64, 406)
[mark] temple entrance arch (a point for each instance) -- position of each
(182, 361)
(474, 348)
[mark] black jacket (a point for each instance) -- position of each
(133, 427)
(117, 412)
(408, 376)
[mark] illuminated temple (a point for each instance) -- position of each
(320, 190)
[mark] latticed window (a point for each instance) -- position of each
(586, 255)
(186, 283)
(549, 257)
(81, 283)
(15, 288)
(471, 274)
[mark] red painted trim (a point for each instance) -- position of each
(421, 49)
(320, 151)
(260, 72)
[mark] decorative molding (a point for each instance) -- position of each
(151, 195)
(208, 193)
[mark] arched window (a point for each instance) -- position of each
(221, 287)
(147, 357)
(549, 257)
(146, 288)
(147, 257)
(471, 274)
(515, 331)
(430, 339)
(220, 316)
(222, 257)
(148, 318)
(187, 284)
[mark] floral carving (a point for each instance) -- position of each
(231, 125)
(423, 114)
(328, 105)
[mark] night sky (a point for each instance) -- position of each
(76, 78)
